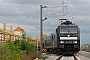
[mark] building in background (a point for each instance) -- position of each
(16, 34)
(85, 47)
(19, 31)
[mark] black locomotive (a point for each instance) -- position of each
(65, 40)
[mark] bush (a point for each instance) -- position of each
(19, 50)
(38, 55)
(11, 51)
(25, 45)
(35, 55)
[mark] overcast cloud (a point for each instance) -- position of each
(26, 14)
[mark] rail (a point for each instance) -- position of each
(67, 58)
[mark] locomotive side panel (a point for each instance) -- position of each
(48, 42)
(55, 40)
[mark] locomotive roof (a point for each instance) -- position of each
(67, 23)
(49, 35)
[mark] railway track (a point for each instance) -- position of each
(66, 58)
(70, 57)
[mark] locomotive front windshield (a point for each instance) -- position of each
(69, 29)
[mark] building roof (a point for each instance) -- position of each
(18, 29)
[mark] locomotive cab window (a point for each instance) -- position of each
(65, 29)
(72, 30)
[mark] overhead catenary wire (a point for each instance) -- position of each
(67, 8)
(53, 13)
(63, 6)
(59, 9)
(56, 10)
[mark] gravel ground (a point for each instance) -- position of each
(51, 57)
(86, 54)
(67, 58)
(82, 56)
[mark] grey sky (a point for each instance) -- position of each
(26, 13)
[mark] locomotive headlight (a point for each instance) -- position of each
(61, 41)
(74, 41)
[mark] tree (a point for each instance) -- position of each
(43, 35)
